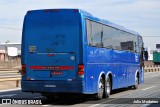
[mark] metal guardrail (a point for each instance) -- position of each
(10, 76)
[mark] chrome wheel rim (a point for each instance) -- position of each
(101, 88)
(108, 87)
(136, 81)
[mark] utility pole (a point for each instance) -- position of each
(6, 49)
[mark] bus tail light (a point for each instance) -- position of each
(46, 10)
(75, 10)
(57, 10)
(23, 72)
(80, 70)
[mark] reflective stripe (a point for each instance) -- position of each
(51, 67)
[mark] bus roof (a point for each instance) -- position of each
(91, 17)
(106, 22)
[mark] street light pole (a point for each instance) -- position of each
(6, 49)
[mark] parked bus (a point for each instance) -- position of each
(70, 51)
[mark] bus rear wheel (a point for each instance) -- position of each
(107, 87)
(136, 82)
(101, 86)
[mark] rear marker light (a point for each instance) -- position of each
(71, 52)
(30, 78)
(75, 10)
(80, 66)
(80, 70)
(57, 10)
(23, 72)
(46, 10)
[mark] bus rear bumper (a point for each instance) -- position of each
(52, 86)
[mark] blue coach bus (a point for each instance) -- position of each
(71, 51)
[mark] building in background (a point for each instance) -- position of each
(150, 53)
(10, 51)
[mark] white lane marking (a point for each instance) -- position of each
(148, 88)
(95, 105)
(145, 105)
(101, 103)
(45, 105)
(155, 75)
(150, 73)
(10, 90)
(8, 95)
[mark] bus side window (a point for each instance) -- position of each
(97, 34)
(107, 37)
(89, 33)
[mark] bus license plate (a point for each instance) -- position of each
(54, 73)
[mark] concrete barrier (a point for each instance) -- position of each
(10, 76)
(16, 79)
(9, 65)
(152, 68)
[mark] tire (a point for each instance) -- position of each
(100, 93)
(50, 97)
(137, 82)
(108, 88)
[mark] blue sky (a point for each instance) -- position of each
(142, 16)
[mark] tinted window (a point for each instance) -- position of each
(89, 36)
(107, 37)
(127, 41)
(115, 39)
(96, 34)
(123, 38)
